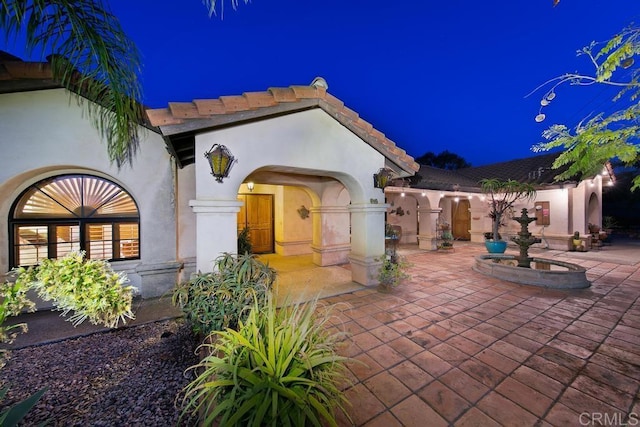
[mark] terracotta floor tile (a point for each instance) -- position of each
(387, 388)
(386, 356)
(582, 402)
(401, 327)
(411, 375)
(578, 340)
(630, 370)
(417, 321)
(431, 363)
(607, 376)
(465, 345)
(539, 381)
(475, 418)
(364, 367)
(454, 327)
(482, 372)
(439, 332)
(528, 398)
(368, 322)
(386, 419)
(561, 357)
(449, 353)
(479, 337)
(464, 384)
(366, 340)
(503, 324)
(611, 395)
(573, 349)
(505, 411)
(510, 350)
(620, 353)
(522, 342)
(364, 405)
(497, 360)
(423, 339)
(444, 400)
(559, 415)
(551, 369)
(491, 330)
(414, 412)
(384, 333)
(405, 346)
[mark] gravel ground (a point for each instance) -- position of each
(125, 377)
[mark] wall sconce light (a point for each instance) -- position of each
(220, 159)
(402, 194)
(381, 179)
(250, 185)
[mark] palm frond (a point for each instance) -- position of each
(92, 57)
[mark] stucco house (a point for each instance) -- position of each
(455, 197)
(302, 181)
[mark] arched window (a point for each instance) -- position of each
(73, 212)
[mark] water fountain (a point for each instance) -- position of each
(531, 270)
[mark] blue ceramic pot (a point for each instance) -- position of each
(496, 247)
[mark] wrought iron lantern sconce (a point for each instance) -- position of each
(220, 159)
(382, 178)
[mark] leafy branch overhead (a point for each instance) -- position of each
(93, 58)
(595, 141)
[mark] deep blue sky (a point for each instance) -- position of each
(433, 76)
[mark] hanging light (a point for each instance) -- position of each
(381, 179)
(220, 159)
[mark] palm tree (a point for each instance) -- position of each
(93, 58)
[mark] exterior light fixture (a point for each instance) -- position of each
(456, 199)
(402, 194)
(250, 185)
(220, 159)
(381, 179)
(424, 194)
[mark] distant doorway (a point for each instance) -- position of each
(257, 214)
(461, 220)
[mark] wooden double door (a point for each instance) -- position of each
(257, 214)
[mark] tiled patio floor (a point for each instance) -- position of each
(454, 347)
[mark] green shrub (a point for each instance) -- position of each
(244, 242)
(392, 272)
(279, 368)
(89, 288)
(218, 300)
(13, 301)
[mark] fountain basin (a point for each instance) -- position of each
(544, 272)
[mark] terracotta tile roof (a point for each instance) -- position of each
(180, 121)
(17, 75)
(535, 170)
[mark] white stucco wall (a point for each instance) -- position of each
(309, 143)
(43, 133)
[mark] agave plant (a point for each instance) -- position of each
(218, 300)
(279, 368)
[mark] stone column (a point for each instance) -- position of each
(216, 230)
(331, 243)
(367, 242)
(428, 232)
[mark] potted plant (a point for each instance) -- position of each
(446, 237)
(502, 196)
(577, 242)
(392, 272)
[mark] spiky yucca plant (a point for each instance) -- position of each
(279, 368)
